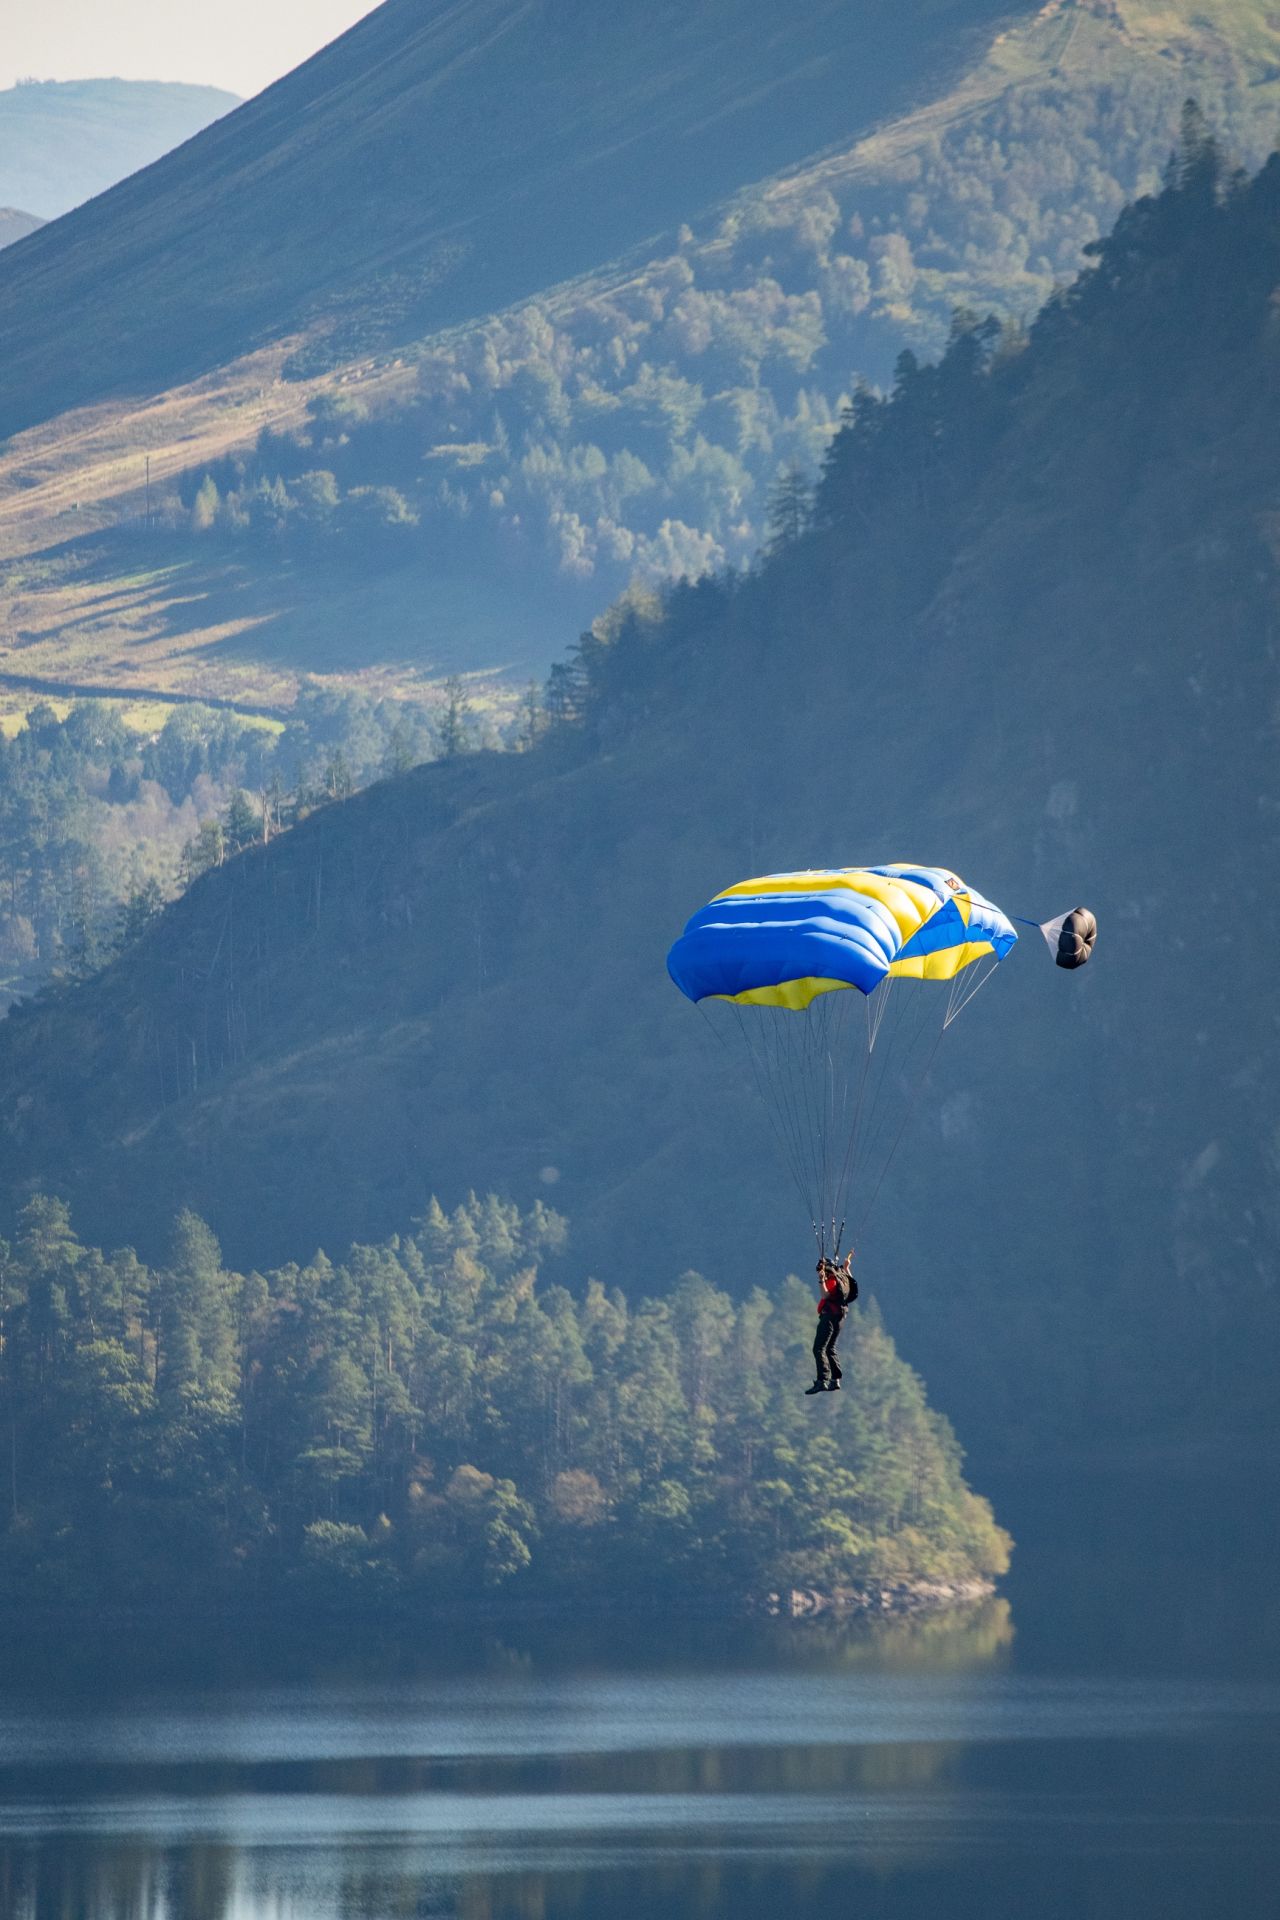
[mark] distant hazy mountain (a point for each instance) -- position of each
(449, 160)
(62, 141)
(16, 225)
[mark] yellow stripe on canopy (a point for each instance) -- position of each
(795, 994)
(910, 903)
(943, 965)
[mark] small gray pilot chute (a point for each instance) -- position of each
(1071, 936)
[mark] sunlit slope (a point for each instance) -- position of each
(1032, 639)
(446, 160)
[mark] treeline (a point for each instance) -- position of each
(636, 431)
(424, 1421)
(100, 825)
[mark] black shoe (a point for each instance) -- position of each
(817, 1387)
(833, 1386)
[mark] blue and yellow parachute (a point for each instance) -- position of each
(782, 940)
(773, 956)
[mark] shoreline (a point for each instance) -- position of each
(889, 1601)
(892, 1600)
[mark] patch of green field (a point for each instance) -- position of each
(143, 716)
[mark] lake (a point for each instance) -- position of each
(1103, 1739)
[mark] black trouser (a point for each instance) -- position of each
(826, 1366)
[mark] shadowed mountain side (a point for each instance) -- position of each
(1030, 637)
(443, 161)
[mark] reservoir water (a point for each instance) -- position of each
(1102, 1740)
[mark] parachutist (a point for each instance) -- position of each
(839, 1291)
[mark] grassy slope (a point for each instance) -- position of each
(111, 607)
(457, 979)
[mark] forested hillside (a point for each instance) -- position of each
(422, 1423)
(100, 824)
(1026, 629)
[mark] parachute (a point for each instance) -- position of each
(1071, 936)
(840, 984)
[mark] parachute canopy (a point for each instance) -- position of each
(782, 940)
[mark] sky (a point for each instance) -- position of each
(241, 45)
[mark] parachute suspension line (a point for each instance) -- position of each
(778, 1068)
(710, 1025)
(807, 1051)
(966, 983)
(781, 1118)
(834, 1055)
(912, 1100)
(864, 1112)
(879, 1000)
(901, 1024)
(839, 1094)
(957, 1005)
(829, 1130)
(779, 1072)
(897, 1083)
(821, 1111)
(778, 1106)
(855, 1125)
(843, 1064)
(789, 1052)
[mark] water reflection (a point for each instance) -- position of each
(716, 1771)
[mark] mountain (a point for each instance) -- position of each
(1029, 633)
(450, 161)
(63, 141)
(627, 425)
(16, 225)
